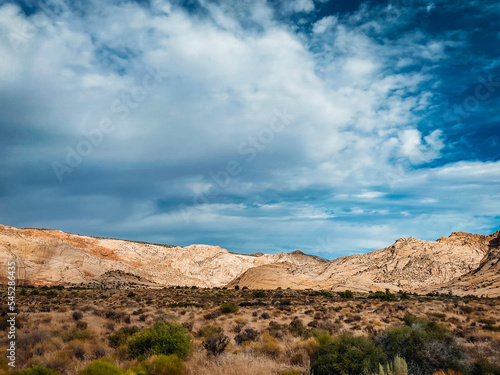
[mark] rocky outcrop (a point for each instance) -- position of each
(50, 257)
(482, 281)
(409, 264)
(462, 263)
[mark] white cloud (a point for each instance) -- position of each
(323, 24)
(419, 150)
(298, 6)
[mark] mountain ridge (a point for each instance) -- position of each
(462, 263)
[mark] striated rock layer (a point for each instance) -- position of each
(50, 257)
(462, 263)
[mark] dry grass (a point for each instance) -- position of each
(51, 336)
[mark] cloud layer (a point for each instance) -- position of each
(256, 126)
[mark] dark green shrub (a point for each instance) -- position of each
(229, 307)
(162, 338)
(346, 294)
(259, 294)
(387, 296)
(121, 336)
(347, 354)
(297, 328)
(426, 346)
(236, 287)
(163, 365)
(131, 294)
(291, 372)
(101, 368)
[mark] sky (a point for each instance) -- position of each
(333, 127)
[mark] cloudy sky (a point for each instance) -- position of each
(334, 127)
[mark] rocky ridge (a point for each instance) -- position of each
(462, 263)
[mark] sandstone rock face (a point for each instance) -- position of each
(409, 264)
(49, 257)
(463, 263)
(484, 280)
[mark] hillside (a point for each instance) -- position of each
(50, 257)
(463, 263)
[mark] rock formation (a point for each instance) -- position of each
(462, 263)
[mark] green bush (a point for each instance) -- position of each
(121, 336)
(397, 367)
(229, 307)
(101, 368)
(163, 365)
(162, 338)
(291, 372)
(426, 346)
(37, 370)
(387, 296)
(259, 294)
(347, 354)
(346, 294)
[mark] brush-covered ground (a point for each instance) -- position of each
(227, 331)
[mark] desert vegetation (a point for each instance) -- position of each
(196, 331)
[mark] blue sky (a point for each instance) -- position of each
(334, 127)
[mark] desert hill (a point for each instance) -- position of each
(409, 264)
(463, 263)
(50, 257)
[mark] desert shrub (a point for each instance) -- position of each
(387, 296)
(291, 372)
(131, 294)
(76, 334)
(396, 367)
(483, 366)
(229, 307)
(215, 344)
(77, 315)
(101, 368)
(209, 330)
(213, 315)
(346, 294)
(162, 338)
(163, 365)
(37, 370)
(259, 294)
(297, 328)
(405, 295)
(269, 346)
(426, 346)
(347, 354)
(265, 315)
(121, 336)
(248, 335)
(51, 294)
(236, 287)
